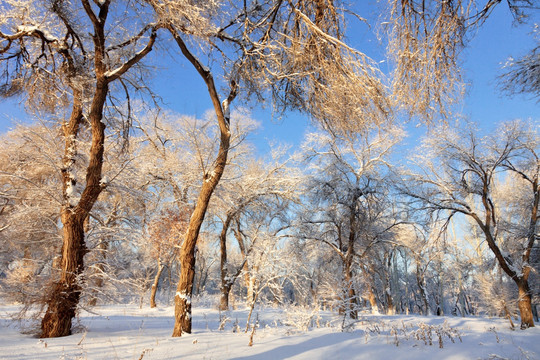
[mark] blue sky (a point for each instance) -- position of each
(184, 92)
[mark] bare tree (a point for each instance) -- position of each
(254, 184)
(462, 174)
(47, 54)
(347, 188)
(30, 195)
(291, 50)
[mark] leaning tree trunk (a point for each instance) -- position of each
(155, 284)
(184, 290)
(64, 298)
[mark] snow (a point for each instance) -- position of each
(104, 181)
(31, 28)
(184, 297)
(127, 332)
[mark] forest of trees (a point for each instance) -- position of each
(109, 197)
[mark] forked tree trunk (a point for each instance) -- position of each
(64, 299)
(521, 278)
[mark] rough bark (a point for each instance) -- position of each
(64, 297)
(524, 304)
(66, 292)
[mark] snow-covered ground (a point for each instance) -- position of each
(127, 332)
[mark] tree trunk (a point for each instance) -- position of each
(390, 307)
(224, 299)
(351, 300)
(368, 279)
(184, 290)
(62, 304)
(524, 304)
(245, 268)
(226, 283)
(372, 300)
(421, 282)
(422, 287)
(155, 284)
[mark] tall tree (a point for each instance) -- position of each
(292, 51)
(64, 51)
(347, 185)
(253, 184)
(462, 174)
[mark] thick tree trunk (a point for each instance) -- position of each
(524, 304)
(224, 299)
(155, 284)
(66, 292)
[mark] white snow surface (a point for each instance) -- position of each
(127, 332)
